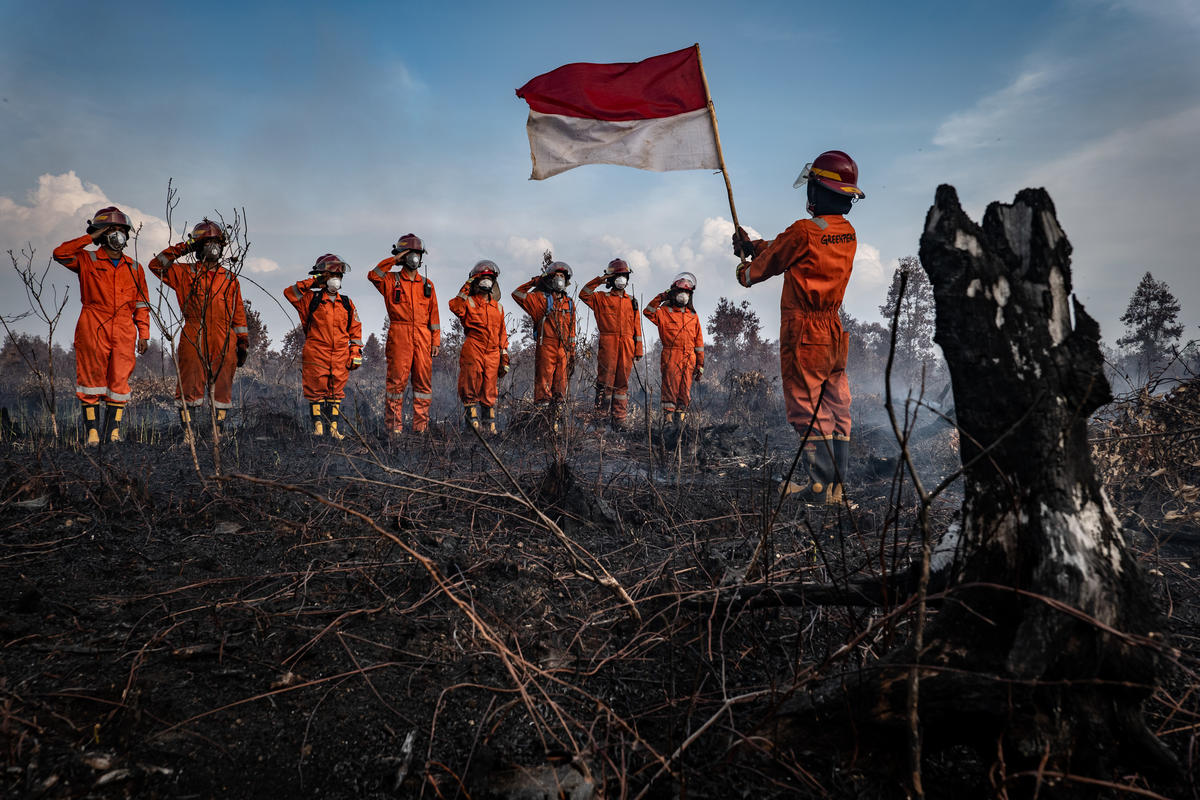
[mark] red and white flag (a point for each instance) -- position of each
(651, 115)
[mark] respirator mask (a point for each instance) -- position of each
(115, 240)
(620, 282)
(485, 285)
(333, 285)
(681, 298)
(559, 282)
(209, 252)
(412, 260)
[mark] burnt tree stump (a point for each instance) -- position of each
(1048, 641)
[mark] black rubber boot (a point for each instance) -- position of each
(471, 415)
(334, 414)
(112, 422)
(90, 415)
(318, 418)
(817, 461)
(488, 417)
(185, 420)
(841, 466)
(221, 414)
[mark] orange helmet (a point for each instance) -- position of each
(409, 241)
(208, 229)
(329, 264)
(108, 217)
(834, 170)
(484, 267)
(617, 267)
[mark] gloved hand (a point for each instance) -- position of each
(142, 346)
(243, 351)
(189, 246)
(355, 362)
(743, 273)
(98, 235)
(503, 370)
(698, 373)
(741, 244)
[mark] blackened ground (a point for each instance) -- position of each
(168, 633)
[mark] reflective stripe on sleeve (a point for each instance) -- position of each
(379, 272)
(141, 304)
(519, 294)
(162, 259)
(435, 327)
(299, 291)
(241, 329)
(699, 349)
(637, 338)
(356, 341)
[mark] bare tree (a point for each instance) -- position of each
(47, 307)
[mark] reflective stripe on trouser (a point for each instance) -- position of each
(104, 357)
(677, 364)
(550, 371)
(614, 361)
(408, 357)
(805, 369)
(202, 360)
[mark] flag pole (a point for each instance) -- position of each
(712, 115)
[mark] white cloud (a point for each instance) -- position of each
(260, 265)
(522, 255)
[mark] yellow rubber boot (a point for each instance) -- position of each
(116, 413)
(91, 424)
(335, 410)
(471, 415)
(318, 421)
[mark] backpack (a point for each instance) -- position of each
(316, 301)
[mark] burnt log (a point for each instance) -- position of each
(1049, 641)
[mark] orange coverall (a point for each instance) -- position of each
(214, 323)
(815, 256)
(333, 336)
(554, 323)
(485, 344)
(682, 350)
(414, 329)
(115, 315)
(620, 329)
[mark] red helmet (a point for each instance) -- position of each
(409, 241)
(329, 264)
(484, 267)
(685, 281)
(617, 267)
(557, 266)
(834, 170)
(108, 217)
(208, 230)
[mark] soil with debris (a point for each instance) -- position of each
(440, 617)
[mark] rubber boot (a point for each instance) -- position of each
(471, 415)
(600, 404)
(556, 416)
(817, 461)
(112, 421)
(318, 419)
(335, 413)
(670, 429)
(90, 414)
(185, 418)
(221, 414)
(488, 415)
(841, 464)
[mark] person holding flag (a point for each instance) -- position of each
(815, 256)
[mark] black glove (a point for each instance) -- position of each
(243, 351)
(741, 244)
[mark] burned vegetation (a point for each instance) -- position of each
(1004, 606)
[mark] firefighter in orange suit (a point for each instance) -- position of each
(620, 328)
(215, 339)
(682, 340)
(545, 299)
(815, 257)
(115, 319)
(414, 332)
(484, 357)
(332, 341)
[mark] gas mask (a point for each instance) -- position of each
(559, 282)
(209, 251)
(681, 298)
(485, 285)
(115, 240)
(333, 285)
(411, 260)
(619, 282)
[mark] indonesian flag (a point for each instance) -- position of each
(651, 115)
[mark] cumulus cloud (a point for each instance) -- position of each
(259, 265)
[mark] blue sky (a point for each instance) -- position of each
(339, 127)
